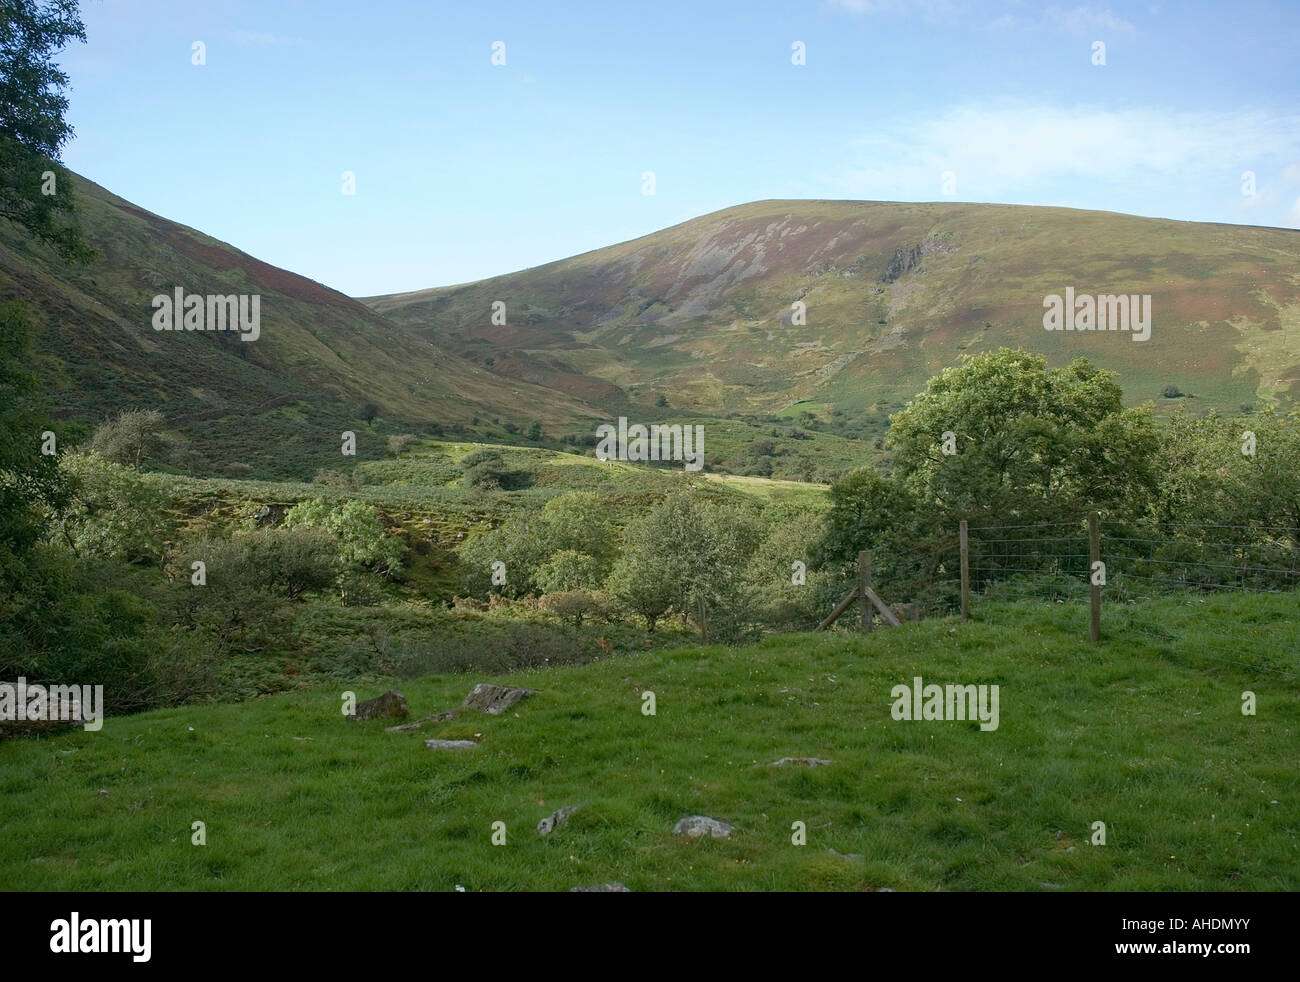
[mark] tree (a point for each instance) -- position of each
(693, 550)
(36, 191)
(370, 412)
(363, 543)
(1028, 443)
(484, 469)
(567, 570)
(399, 444)
(535, 431)
(115, 511)
(131, 439)
(31, 483)
(572, 605)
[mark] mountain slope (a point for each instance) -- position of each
(701, 312)
(320, 358)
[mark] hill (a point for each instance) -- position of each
(276, 404)
(1145, 734)
(701, 312)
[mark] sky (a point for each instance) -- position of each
(465, 169)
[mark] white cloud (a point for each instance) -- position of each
(998, 153)
(1079, 20)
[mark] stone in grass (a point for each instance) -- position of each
(845, 855)
(391, 703)
(601, 888)
(555, 820)
(801, 762)
(495, 699)
(416, 724)
(450, 744)
(695, 826)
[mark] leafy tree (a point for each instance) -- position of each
(575, 522)
(535, 431)
(568, 570)
(250, 578)
(115, 511)
(399, 444)
(370, 412)
(132, 439)
(484, 469)
(1032, 443)
(362, 541)
(572, 605)
(31, 483)
(695, 547)
(36, 192)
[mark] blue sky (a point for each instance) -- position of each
(465, 169)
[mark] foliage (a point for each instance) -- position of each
(363, 542)
(33, 129)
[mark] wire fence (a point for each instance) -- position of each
(1154, 577)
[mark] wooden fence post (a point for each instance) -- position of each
(1094, 552)
(864, 584)
(965, 573)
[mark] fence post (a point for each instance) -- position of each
(965, 573)
(1094, 552)
(864, 583)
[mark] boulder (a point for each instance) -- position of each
(556, 819)
(495, 699)
(391, 703)
(801, 762)
(450, 744)
(425, 721)
(601, 888)
(695, 826)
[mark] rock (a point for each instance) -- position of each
(884, 889)
(391, 703)
(450, 744)
(601, 888)
(554, 820)
(425, 721)
(495, 699)
(844, 855)
(695, 826)
(801, 761)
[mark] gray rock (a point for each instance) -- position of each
(845, 855)
(601, 888)
(555, 820)
(801, 761)
(495, 699)
(450, 744)
(425, 721)
(391, 703)
(695, 826)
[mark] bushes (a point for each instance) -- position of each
(115, 512)
(362, 542)
(250, 580)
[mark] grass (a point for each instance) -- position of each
(1142, 733)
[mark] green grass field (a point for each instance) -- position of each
(1145, 734)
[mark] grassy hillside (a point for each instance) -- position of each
(701, 312)
(1145, 736)
(276, 405)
